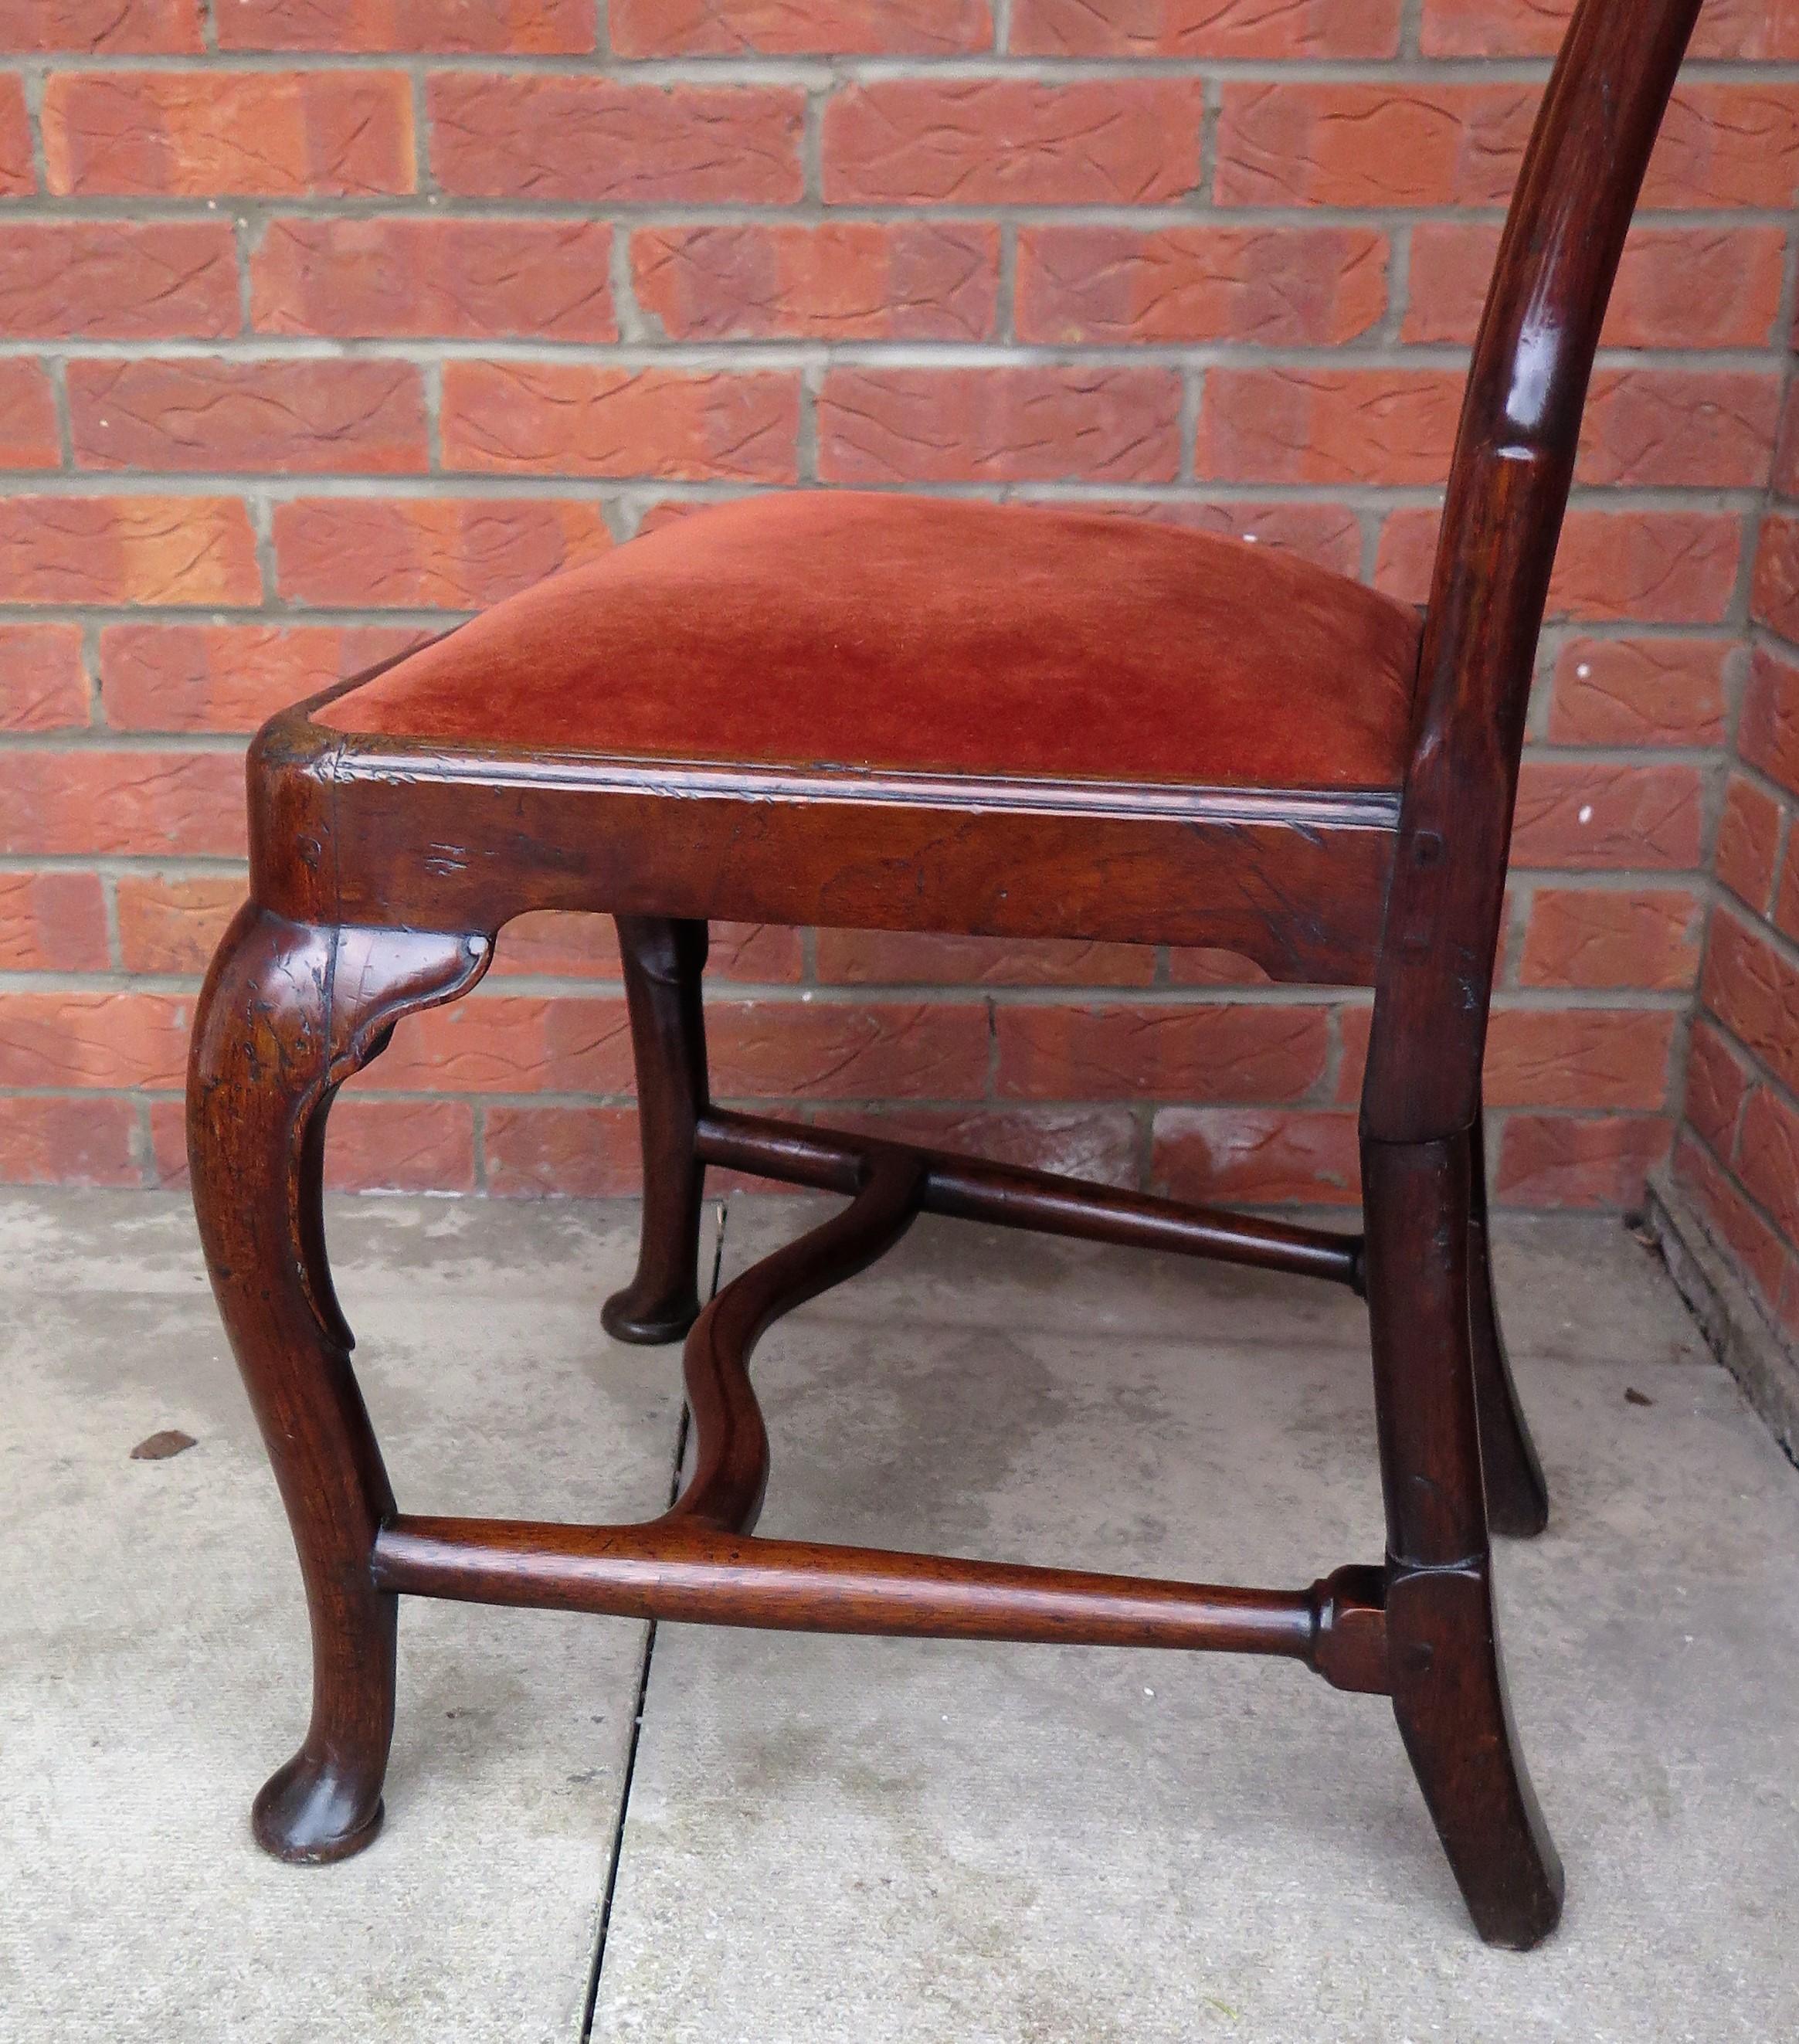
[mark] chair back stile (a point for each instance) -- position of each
(1508, 491)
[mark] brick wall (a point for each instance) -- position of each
(1738, 1152)
(320, 319)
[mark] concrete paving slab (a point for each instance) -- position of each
(883, 1840)
(153, 1664)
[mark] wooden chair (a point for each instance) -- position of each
(863, 711)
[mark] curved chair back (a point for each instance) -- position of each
(1508, 487)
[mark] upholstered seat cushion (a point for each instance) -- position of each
(914, 635)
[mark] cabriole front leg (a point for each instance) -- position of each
(288, 1011)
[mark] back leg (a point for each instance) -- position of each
(1517, 1499)
(664, 962)
(1443, 1649)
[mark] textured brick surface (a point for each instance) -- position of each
(1738, 1152)
(327, 322)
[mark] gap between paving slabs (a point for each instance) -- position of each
(676, 1475)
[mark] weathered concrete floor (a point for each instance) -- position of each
(870, 1840)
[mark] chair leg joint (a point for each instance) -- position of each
(1349, 1645)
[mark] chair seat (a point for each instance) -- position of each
(907, 635)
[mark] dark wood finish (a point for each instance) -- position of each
(448, 838)
(1008, 1195)
(731, 1443)
(671, 1570)
(663, 963)
(1442, 1650)
(288, 1012)
(1509, 483)
(382, 871)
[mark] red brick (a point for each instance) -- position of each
(1036, 424)
(118, 280)
(1608, 817)
(844, 280)
(29, 434)
(1774, 598)
(1225, 28)
(1787, 901)
(49, 1040)
(548, 944)
(1679, 428)
(53, 922)
(425, 553)
(1678, 286)
(1328, 425)
(1748, 843)
(1640, 692)
(136, 28)
(518, 1043)
(213, 134)
(799, 28)
(512, 1044)
(1716, 1087)
(1284, 286)
(163, 550)
(1786, 447)
(1756, 1248)
(1213, 968)
(1098, 1143)
(510, 28)
(168, 1145)
(1407, 556)
(894, 958)
(1740, 31)
(65, 1141)
(174, 926)
(594, 140)
(17, 173)
(1752, 988)
(1569, 1160)
(565, 1152)
(229, 678)
(544, 419)
(43, 678)
(759, 953)
(411, 279)
(1261, 1158)
(1767, 1158)
(1578, 1057)
(400, 1145)
(1727, 145)
(850, 1051)
(284, 418)
(1238, 1052)
(188, 805)
(1659, 568)
(1355, 1025)
(1647, 568)
(1747, 30)
(1767, 734)
(1012, 142)
(1388, 143)
(1612, 937)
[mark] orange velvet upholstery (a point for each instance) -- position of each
(928, 635)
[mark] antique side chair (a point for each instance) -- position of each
(861, 711)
